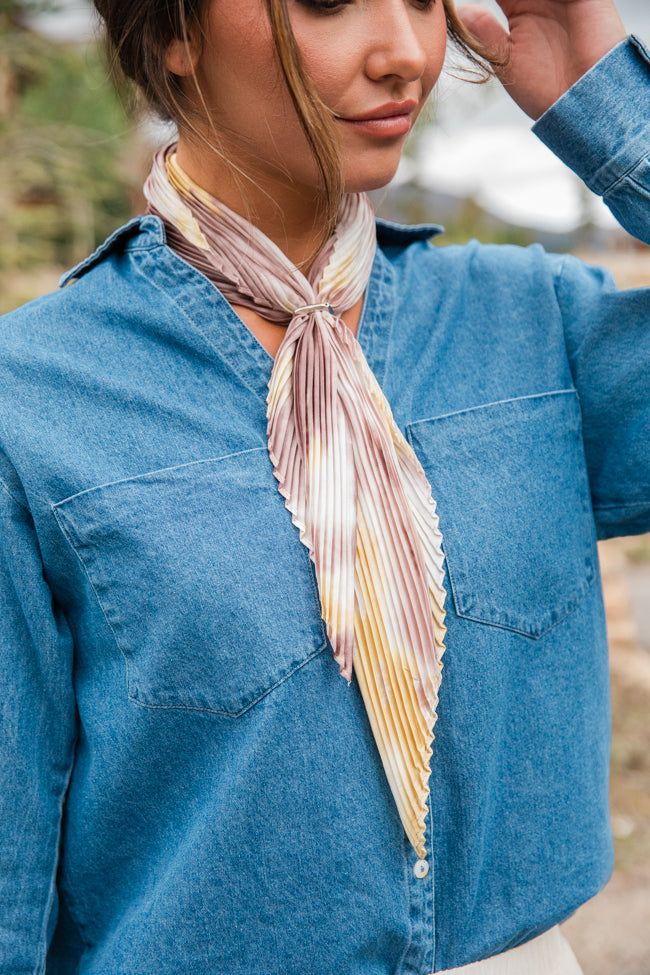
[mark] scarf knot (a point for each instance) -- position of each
(307, 309)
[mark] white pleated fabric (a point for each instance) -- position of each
(549, 954)
(356, 491)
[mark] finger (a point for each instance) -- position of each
(484, 26)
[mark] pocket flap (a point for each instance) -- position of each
(510, 482)
(202, 578)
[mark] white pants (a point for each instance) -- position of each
(550, 954)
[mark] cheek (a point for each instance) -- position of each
(333, 67)
(238, 52)
(435, 45)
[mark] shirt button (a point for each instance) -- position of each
(421, 869)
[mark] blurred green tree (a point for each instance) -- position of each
(65, 137)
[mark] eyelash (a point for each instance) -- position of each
(325, 6)
(334, 6)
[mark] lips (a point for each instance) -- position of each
(391, 120)
(386, 111)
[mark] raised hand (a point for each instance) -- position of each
(550, 44)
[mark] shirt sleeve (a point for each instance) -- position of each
(601, 129)
(608, 342)
(37, 739)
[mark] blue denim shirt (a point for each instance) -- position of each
(186, 783)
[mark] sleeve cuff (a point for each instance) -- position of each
(600, 127)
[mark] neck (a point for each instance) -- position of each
(288, 214)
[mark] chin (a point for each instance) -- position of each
(363, 183)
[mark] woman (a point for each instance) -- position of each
(188, 784)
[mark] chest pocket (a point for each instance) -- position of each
(510, 482)
(203, 580)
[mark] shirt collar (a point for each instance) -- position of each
(150, 232)
(391, 234)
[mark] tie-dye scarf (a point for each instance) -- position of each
(354, 487)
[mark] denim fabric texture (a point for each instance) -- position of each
(186, 783)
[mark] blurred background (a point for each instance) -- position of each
(74, 153)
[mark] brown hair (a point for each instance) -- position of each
(140, 31)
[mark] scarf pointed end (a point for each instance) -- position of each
(345, 670)
(416, 830)
(343, 656)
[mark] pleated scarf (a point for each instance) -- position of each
(356, 492)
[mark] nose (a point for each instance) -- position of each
(395, 48)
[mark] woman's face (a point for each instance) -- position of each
(372, 62)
